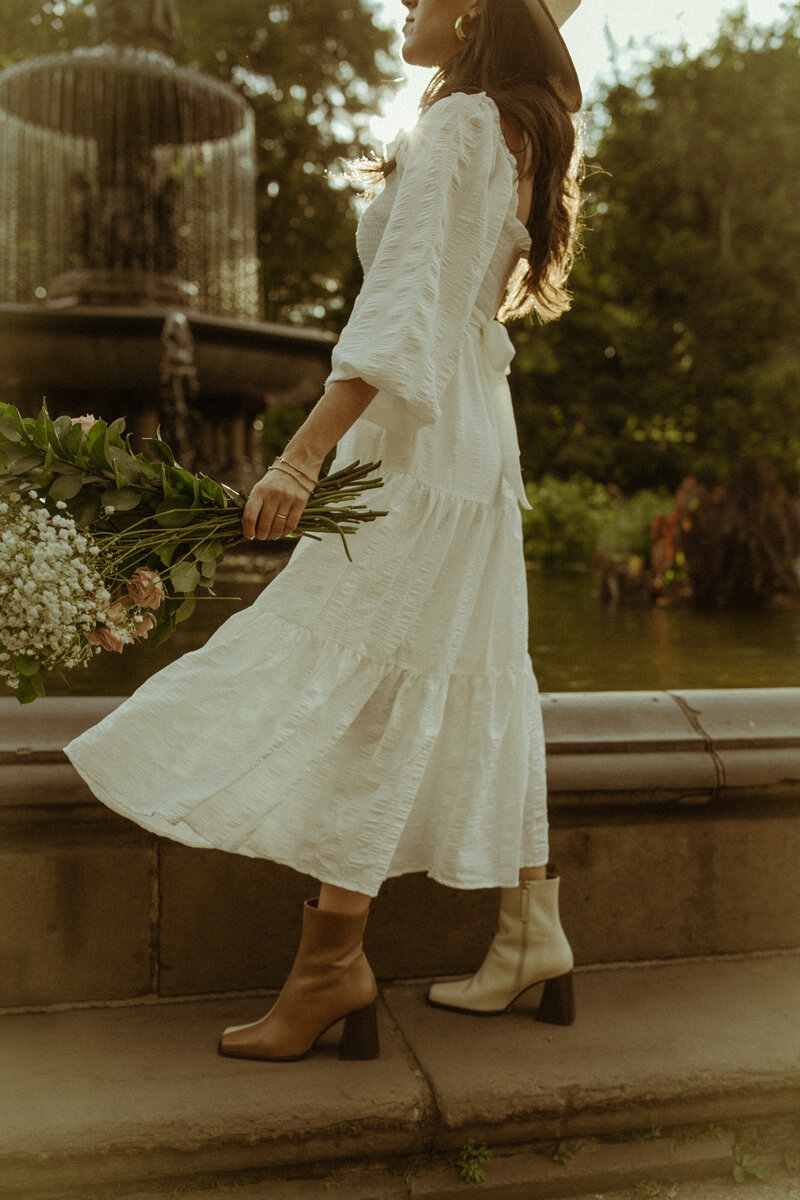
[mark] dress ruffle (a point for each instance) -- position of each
(372, 718)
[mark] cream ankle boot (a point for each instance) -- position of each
(529, 947)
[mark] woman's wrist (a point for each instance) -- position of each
(306, 462)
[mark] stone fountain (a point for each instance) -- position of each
(129, 272)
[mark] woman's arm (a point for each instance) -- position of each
(277, 492)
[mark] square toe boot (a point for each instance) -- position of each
(330, 979)
(529, 947)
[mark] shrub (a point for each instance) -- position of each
(571, 521)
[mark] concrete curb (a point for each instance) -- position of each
(115, 1096)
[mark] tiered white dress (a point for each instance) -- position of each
(368, 719)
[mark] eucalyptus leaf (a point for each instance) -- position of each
(86, 511)
(184, 577)
(9, 430)
(26, 691)
(65, 487)
(124, 463)
(164, 630)
(167, 553)
(26, 665)
(21, 466)
(208, 552)
(208, 570)
(186, 609)
(62, 427)
(174, 512)
(122, 499)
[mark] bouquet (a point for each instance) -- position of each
(101, 546)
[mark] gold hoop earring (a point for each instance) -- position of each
(460, 34)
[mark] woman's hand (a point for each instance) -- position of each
(274, 506)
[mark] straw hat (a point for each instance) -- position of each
(549, 16)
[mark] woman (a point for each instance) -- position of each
(370, 719)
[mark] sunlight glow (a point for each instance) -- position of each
(599, 32)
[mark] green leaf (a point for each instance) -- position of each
(72, 439)
(208, 570)
(40, 429)
(211, 490)
(184, 577)
(117, 428)
(21, 466)
(124, 463)
(9, 430)
(160, 450)
(65, 487)
(122, 499)
(26, 691)
(185, 482)
(87, 511)
(208, 552)
(175, 512)
(164, 630)
(167, 553)
(739, 1174)
(62, 427)
(27, 666)
(186, 609)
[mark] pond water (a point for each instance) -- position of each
(581, 644)
(577, 642)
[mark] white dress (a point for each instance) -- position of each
(363, 720)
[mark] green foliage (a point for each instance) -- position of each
(650, 1187)
(562, 1154)
(682, 350)
(747, 1166)
(314, 72)
(471, 1159)
(571, 520)
(278, 426)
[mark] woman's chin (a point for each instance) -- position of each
(414, 55)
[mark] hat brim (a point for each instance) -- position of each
(560, 68)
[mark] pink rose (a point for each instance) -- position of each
(116, 614)
(144, 625)
(146, 588)
(110, 638)
(86, 422)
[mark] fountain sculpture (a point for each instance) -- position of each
(129, 273)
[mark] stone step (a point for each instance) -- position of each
(133, 1099)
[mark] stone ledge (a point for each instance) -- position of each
(639, 748)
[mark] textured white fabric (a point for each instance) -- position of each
(368, 719)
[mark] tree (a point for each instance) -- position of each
(315, 72)
(682, 350)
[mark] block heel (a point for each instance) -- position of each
(557, 1006)
(360, 1035)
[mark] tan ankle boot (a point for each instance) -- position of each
(529, 947)
(330, 979)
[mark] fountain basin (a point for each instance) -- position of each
(72, 355)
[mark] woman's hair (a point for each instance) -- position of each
(504, 59)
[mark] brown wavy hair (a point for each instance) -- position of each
(504, 59)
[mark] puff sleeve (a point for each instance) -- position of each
(407, 326)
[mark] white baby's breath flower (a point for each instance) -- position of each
(50, 583)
